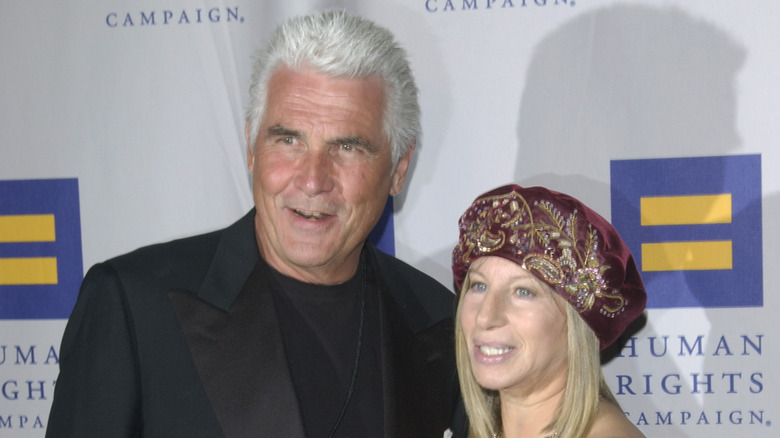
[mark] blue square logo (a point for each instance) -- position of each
(383, 233)
(694, 228)
(40, 248)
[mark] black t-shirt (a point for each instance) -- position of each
(319, 326)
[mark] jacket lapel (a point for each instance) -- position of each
(233, 316)
(417, 358)
(233, 334)
(419, 380)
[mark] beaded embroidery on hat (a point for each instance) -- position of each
(547, 245)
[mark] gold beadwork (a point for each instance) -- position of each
(547, 245)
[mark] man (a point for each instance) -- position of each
(287, 323)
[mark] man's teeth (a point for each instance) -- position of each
(308, 215)
(493, 351)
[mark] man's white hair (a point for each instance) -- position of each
(341, 45)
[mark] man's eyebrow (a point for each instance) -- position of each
(354, 140)
(283, 131)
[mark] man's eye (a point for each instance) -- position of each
(347, 147)
(289, 140)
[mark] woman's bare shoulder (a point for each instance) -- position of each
(611, 422)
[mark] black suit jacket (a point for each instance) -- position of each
(163, 343)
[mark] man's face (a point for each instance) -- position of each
(322, 172)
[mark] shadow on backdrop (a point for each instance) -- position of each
(630, 82)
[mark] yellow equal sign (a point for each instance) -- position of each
(686, 256)
(27, 270)
(686, 210)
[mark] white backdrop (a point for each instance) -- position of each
(141, 104)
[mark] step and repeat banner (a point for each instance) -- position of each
(122, 125)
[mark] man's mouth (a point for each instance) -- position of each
(310, 215)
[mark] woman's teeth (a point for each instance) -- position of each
(493, 351)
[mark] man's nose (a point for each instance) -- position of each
(315, 173)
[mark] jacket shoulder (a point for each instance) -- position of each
(410, 285)
(170, 258)
(184, 263)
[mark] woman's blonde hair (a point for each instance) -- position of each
(585, 383)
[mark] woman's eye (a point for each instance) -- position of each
(478, 287)
(523, 292)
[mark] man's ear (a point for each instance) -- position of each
(399, 176)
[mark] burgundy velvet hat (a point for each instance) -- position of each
(562, 242)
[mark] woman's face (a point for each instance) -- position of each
(515, 329)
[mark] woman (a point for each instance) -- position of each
(545, 283)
